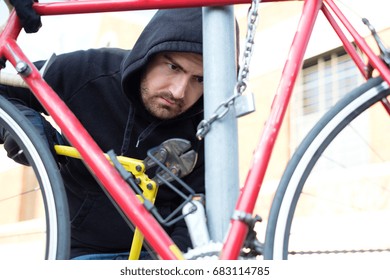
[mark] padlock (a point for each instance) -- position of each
(244, 104)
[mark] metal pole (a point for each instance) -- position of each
(221, 149)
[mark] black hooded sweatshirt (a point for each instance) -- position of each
(101, 87)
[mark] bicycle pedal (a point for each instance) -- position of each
(244, 104)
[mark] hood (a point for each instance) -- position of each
(175, 30)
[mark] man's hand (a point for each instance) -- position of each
(29, 19)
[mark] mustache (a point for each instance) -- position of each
(169, 96)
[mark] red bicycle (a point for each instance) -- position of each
(299, 182)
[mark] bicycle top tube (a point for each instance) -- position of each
(95, 6)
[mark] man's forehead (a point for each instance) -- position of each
(181, 54)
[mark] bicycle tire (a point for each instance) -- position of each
(291, 189)
(37, 220)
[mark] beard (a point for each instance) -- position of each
(161, 105)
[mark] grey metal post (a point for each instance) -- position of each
(221, 150)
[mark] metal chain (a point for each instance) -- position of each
(357, 251)
(241, 85)
(248, 51)
(205, 125)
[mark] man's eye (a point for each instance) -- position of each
(172, 66)
(199, 79)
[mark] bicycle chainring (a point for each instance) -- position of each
(209, 251)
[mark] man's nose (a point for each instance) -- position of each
(179, 87)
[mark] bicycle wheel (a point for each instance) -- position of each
(34, 219)
(335, 193)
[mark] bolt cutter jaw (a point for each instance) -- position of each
(173, 158)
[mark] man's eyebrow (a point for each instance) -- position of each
(168, 57)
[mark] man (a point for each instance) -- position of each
(129, 101)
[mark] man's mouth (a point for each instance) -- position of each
(168, 101)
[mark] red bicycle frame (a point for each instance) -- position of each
(114, 185)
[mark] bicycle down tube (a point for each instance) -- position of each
(262, 154)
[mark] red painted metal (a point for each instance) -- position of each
(350, 49)
(95, 6)
(374, 60)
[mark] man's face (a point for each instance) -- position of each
(172, 83)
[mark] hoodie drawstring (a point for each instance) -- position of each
(127, 134)
(147, 132)
(129, 127)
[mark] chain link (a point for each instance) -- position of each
(241, 85)
(357, 251)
